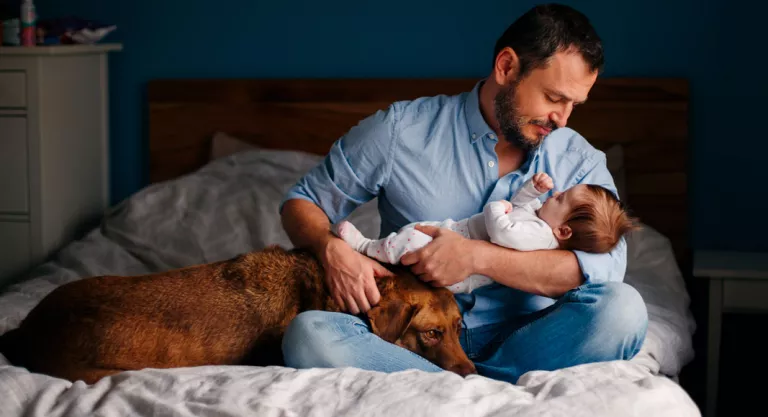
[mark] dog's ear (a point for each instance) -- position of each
(391, 318)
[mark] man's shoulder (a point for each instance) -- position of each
(567, 142)
(427, 107)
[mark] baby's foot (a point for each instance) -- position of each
(349, 233)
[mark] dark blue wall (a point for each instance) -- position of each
(701, 40)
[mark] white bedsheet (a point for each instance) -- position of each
(229, 207)
(595, 390)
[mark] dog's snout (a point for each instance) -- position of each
(464, 368)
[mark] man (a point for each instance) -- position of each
(445, 157)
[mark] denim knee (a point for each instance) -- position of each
(311, 339)
(303, 341)
(620, 317)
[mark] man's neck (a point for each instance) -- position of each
(511, 157)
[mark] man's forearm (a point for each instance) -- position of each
(550, 273)
(306, 225)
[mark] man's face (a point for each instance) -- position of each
(528, 109)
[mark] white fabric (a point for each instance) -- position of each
(654, 273)
(518, 229)
(394, 246)
(527, 197)
(521, 228)
(610, 389)
(231, 205)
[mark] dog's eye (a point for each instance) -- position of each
(432, 334)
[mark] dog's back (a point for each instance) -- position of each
(218, 313)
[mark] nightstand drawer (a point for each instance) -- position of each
(15, 251)
(13, 89)
(13, 165)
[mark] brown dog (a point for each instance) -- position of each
(223, 313)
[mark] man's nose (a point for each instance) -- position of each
(561, 117)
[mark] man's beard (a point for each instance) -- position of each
(511, 123)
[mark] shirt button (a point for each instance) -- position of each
(491, 164)
(474, 136)
(492, 136)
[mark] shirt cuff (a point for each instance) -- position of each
(603, 267)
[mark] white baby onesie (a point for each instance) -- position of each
(521, 228)
(393, 247)
(512, 230)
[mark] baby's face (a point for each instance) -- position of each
(555, 210)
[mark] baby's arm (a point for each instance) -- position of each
(531, 190)
(518, 230)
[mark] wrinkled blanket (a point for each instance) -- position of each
(229, 207)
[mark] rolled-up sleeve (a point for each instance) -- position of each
(355, 169)
(603, 267)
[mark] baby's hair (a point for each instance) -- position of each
(598, 221)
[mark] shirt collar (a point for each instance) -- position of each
(478, 128)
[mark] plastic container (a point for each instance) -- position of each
(11, 29)
(28, 24)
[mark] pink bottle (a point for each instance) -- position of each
(28, 24)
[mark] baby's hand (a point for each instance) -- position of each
(507, 206)
(543, 182)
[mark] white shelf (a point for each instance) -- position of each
(59, 49)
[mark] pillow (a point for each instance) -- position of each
(653, 271)
(615, 161)
(223, 145)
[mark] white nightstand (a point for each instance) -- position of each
(738, 282)
(54, 171)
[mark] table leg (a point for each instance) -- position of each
(713, 343)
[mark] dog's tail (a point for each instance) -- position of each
(9, 347)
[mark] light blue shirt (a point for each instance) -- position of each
(434, 158)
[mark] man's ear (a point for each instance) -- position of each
(390, 319)
(506, 66)
(563, 232)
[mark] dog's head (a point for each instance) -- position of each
(422, 319)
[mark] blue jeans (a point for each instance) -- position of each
(592, 323)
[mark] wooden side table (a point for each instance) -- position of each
(738, 282)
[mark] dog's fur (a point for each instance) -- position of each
(222, 313)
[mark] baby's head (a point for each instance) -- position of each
(586, 217)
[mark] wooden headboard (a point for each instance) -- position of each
(648, 116)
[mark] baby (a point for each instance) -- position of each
(585, 217)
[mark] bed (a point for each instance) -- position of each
(221, 155)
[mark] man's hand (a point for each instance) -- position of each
(351, 277)
(543, 182)
(444, 261)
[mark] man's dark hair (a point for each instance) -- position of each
(547, 29)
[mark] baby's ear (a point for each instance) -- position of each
(563, 232)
